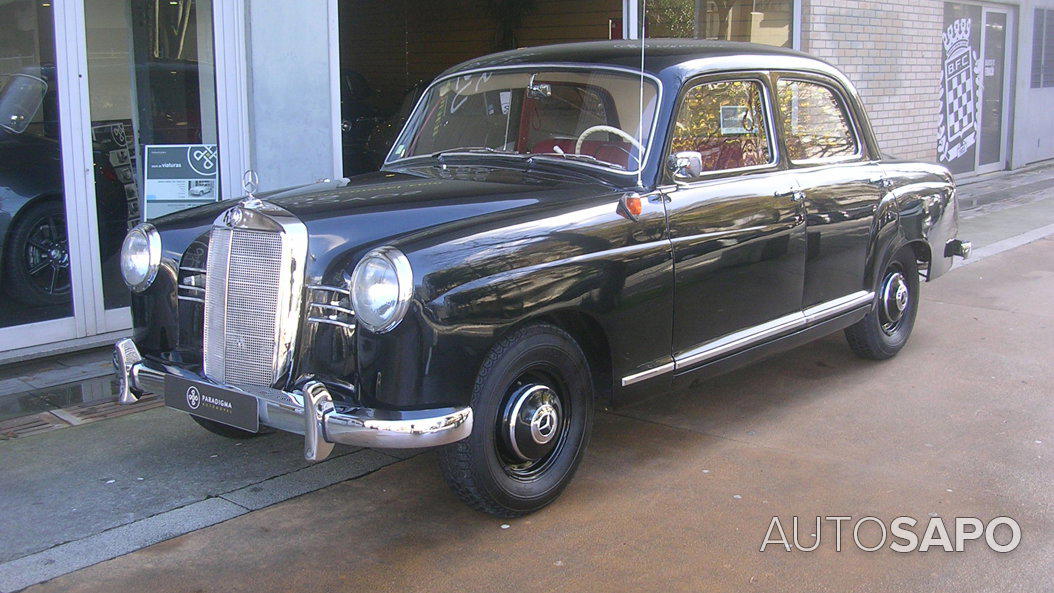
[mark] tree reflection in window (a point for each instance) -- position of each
(725, 123)
(814, 122)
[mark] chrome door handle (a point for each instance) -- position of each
(796, 195)
(883, 182)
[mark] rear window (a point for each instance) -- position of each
(815, 122)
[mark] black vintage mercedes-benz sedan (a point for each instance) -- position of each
(554, 229)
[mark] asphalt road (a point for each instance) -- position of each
(677, 493)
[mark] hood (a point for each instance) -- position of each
(348, 216)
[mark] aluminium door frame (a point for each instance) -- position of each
(90, 317)
(75, 151)
(1009, 85)
(1009, 80)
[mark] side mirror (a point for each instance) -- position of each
(685, 166)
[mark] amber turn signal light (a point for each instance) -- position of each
(634, 206)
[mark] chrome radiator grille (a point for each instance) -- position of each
(251, 303)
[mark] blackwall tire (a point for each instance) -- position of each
(532, 407)
(882, 333)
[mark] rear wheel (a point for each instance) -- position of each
(532, 408)
(887, 327)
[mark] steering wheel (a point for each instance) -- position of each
(613, 130)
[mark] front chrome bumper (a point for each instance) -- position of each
(322, 425)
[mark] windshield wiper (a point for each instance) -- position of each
(580, 157)
(473, 150)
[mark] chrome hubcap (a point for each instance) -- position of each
(895, 298)
(532, 421)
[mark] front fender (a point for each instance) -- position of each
(588, 260)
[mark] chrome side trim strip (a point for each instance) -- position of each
(739, 339)
(840, 305)
(648, 374)
(758, 333)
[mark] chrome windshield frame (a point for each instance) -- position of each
(540, 66)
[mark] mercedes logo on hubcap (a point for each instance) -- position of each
(543, 424)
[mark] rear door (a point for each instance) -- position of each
(841, 182)
(736, 222)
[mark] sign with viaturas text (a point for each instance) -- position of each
(178, 176)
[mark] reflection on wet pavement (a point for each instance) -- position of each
(97, 390)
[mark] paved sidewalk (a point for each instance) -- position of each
(676, 494)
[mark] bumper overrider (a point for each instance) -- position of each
(308, 411)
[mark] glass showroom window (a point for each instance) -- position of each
(758, 21)
(153, 114)
(35, 275)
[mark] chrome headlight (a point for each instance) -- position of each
(381, 286)
(140, 256)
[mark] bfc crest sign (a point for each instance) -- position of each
(961, 85)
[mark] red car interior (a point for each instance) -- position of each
(609, 152)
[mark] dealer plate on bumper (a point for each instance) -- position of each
(212, 402)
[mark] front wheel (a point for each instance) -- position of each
(532, 408)
(887, 327)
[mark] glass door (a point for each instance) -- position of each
(991, 148)
(152, 98)
(37, 285)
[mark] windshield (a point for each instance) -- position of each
(582, 115)
(20, 99)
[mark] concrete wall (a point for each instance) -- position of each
(291, 110)
(1032, 125)
(892, 52)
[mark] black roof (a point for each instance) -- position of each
(659, 54)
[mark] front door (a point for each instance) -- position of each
(735, 218)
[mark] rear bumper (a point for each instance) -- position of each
(958, 247)
(322, 424)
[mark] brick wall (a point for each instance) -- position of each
(892, 52)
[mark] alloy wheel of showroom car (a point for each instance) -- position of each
(38, 260)
(887, 327)
(533, 410)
